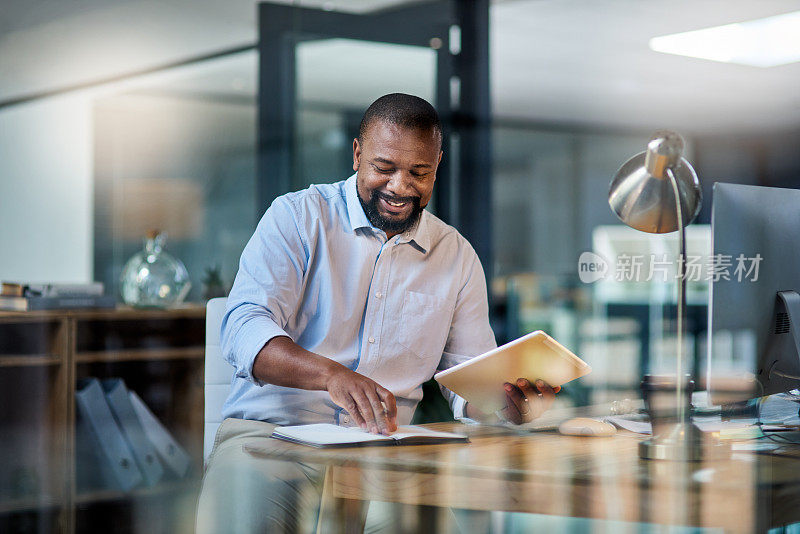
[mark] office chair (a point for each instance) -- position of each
(218, 374)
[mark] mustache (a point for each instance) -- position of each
(393, 198)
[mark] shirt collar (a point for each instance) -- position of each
(418, 233)
(358, 219)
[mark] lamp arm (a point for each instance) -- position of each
(681, 294)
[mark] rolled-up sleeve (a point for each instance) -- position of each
(267, 288)
(470, 332)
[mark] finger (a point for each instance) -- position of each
(548, 394)
(512, 411)
(391, 407)
(518, 399)
(365, 408)
(533, 408)
(527, 388)
(352, 409)
(377, 410)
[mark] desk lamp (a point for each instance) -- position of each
(657, 191)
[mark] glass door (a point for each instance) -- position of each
(337, 79)
(319, 70)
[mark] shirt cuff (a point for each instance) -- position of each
(459, 408)
(251, 338)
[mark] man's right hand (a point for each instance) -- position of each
(284, 363)
(371, 405)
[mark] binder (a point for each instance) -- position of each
(143, 451)
(91, 472)
(104, 454)
(175, 457)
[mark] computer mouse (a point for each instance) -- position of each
(584, 426)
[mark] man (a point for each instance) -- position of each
(350, 296)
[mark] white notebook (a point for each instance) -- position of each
(328, 435)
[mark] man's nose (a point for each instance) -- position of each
(400, 184)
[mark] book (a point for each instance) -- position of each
(29, 289)
(56, 303)
(329, 435)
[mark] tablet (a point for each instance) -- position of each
(534, 356)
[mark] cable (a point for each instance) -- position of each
(785, 375)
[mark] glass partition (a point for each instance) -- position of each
(336, 80)
(177, 154)
(549, 209)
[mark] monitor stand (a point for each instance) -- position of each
(782, 362)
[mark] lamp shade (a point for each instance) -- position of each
(641, 193)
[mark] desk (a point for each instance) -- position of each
(546, 473)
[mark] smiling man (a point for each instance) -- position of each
(349, 297)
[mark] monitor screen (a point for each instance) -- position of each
(755, 281)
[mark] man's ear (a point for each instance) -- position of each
(356, 154)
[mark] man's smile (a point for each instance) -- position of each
(395, 207)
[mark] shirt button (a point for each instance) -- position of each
(372, 340)
(378, 295)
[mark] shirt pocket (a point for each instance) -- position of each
(425, 324)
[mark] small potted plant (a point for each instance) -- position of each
(213, 286)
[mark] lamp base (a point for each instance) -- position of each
(684, 442)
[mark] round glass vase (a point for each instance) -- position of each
(153, 278)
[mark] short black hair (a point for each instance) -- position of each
(404, 110)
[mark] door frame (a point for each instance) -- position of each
(464, 182)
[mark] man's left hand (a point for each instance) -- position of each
(525, 401)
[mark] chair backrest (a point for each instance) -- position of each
(218, 373)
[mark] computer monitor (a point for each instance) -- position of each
(756, 314)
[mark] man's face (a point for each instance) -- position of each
(396, 170)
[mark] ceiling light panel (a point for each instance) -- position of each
(766, 42)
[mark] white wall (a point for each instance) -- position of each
(46, 190)
(47, 168)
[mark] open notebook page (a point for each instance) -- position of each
(329, 434)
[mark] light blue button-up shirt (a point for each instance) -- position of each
(394, 310)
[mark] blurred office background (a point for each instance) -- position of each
(119, 117)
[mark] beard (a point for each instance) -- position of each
(390, 226)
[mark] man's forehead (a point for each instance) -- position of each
(383, 133)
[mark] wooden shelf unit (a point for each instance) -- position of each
(115, 495)
(27, 360)
(43, 354)
(141, 354)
